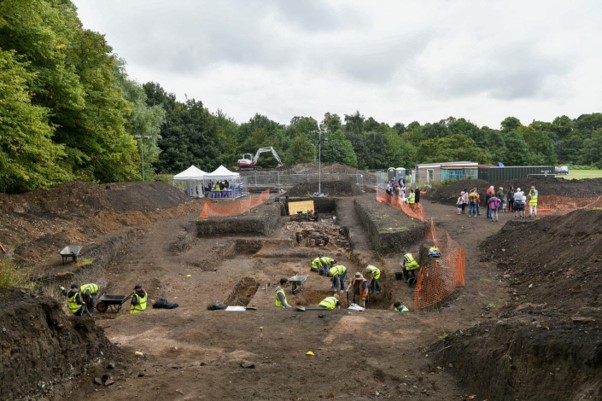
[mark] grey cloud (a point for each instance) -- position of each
(505, 73)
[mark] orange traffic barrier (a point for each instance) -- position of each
(414, 210)
(563, 204)
(233, 208)
(439, 280)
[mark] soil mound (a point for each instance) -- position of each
(43, 221)
(555, 260)
(327, 168)
(591, 188)
(42, 350)
(85, 199)
(329, 188)
(551, 331)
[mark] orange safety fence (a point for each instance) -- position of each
(563, 204)
(439, 280)
(235, 207)
(415, 210)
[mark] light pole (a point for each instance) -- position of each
(320, 162)
(142, 137)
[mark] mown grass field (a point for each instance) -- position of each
(581, 174)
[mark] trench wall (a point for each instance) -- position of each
(261, 220)
(389, 230)
(515, 359)
(41, 349)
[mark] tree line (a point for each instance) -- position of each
(68, 111)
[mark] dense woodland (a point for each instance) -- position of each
(68, 111)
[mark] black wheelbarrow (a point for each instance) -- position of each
(111, 303)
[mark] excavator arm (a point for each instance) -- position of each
(265, 150)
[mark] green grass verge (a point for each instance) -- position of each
(581, 174)
(10, 277)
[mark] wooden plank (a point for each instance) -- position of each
(300, 206)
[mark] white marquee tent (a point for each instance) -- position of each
(222, 173)
(235, 189)
(192, 178)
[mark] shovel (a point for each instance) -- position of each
(303, 308)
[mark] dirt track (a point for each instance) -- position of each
(191, 353)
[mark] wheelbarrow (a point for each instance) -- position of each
(111, 303)
(297, 282)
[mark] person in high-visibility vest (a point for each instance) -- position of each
(280, 295)
(533, 201)
(398, 307)
(330, 303)
(88, 292)
(409, 266)
(338, 273)
(322, 264)
(373, 276)
(74, 300)
(139, 299)
(359, 285)
(412, 197)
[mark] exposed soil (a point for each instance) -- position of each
(545, 186)
(515, 332)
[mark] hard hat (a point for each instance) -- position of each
(137, 286)
(358, 275)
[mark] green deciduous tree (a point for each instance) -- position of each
(452, 148)
(28, 157)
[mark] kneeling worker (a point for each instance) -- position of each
(88, 292)
(331, 303)
(398, 307)
(139, 299)
(74, 300)
(280, 296)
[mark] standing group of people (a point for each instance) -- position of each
(496, 201)
(398, 188)
(82, 299)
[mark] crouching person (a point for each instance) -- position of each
(331, 303)
(139, 299)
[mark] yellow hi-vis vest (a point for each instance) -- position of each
(278, 303)
(411, 264)
(337, 270)
(93, 288)
(316, 264)
(329, 303)
(533, 198)
(72, 304)
(375, 271)
(412, 198)
(140, 306)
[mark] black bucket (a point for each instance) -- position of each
(398, 275)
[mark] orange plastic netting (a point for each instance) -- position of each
(439, 280)
(562, 204)
(415, 211)
(235, 207)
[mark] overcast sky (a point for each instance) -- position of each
(396, 61)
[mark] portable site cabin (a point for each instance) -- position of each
(192, 181)
(432, 173)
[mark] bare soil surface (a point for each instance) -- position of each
(192, 353)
